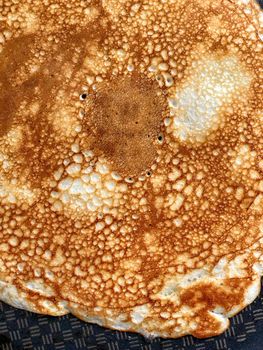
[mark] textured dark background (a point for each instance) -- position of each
(21, 330)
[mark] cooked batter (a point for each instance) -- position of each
(131, 169)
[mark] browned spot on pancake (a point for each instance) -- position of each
(126, 119)
(208, 297)
(16, 52)
(6, 106)
(20, 89)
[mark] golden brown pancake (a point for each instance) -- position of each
(131, 161)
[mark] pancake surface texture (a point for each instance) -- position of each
(131, 166)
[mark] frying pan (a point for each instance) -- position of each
(22, 330)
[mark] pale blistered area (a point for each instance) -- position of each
(213, 84)
(131, 187)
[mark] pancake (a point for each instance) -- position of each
(131, 161)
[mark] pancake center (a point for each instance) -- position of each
(126, 120)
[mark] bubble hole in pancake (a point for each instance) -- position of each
(131, 162)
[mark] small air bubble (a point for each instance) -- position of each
(141, 178)
(160, 138)
(83, 97)
(129, 179)
(100, 215)
(130, 67)
(167, 121)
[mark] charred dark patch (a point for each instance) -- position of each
(126, 119)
